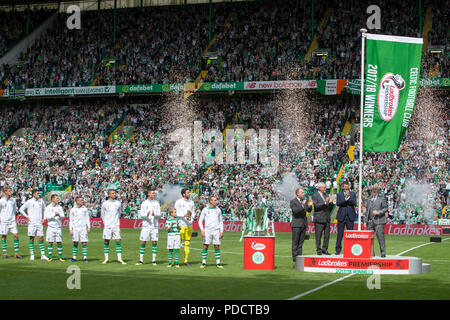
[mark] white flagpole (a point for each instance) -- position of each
(363, 37)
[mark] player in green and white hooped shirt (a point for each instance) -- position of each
(212, 231)
(8, 209)
(173, 236)
(53, 214)
(150, 214)
(110, 214)
(79, 226)
(35, 208)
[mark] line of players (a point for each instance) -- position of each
(178, 225)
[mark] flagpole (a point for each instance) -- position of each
(363, 36)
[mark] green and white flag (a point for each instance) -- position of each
(390, 88)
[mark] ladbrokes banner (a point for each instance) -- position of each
(236, 226)
(392, 79)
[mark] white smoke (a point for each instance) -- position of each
(169, 193)
(286, 188)
(420, 194)
(284, 191)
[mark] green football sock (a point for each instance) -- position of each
(74, 251)
(217, 255)
(118, 247)
(4, 246)
(16, 246)
(170, 255)
(106, 250)
(31, 245)
(204, 255)
(176, 255)
(154, 247)
(42, 247)
(60, 251)
(50, 251)
(85, 250)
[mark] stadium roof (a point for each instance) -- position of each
(119, 2)
(19, 2)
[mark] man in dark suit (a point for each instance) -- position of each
(375, 216)
(346, 216)
(299, 224)
(322, 208)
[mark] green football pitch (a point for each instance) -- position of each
(25, 279)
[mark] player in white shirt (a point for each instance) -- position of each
(53, 214)
(150, 214)
(35, 208)
(8, 209)
(212, 231)
(110, 214)
(79, 226)
(186, 214)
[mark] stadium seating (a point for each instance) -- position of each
(70, 145)
(251, 41)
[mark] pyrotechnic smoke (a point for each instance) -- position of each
(427, 128)
(285, 189)
(419, 194)
(169, 193)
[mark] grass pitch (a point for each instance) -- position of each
(25, 279)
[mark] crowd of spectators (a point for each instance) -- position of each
(342, 37)
(65, 57)
(265, 41)
(254, 41)
(421, 165)
(439, 37)
(70, 145)
(155, 47)
(13, 26)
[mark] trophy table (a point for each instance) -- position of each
(259, 243)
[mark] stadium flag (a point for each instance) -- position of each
(392, 79)
(331, 87)
(388, 93)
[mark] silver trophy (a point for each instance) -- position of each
(257, 223)
(260, 217)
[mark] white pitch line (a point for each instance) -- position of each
(349, 275)
(322, 286)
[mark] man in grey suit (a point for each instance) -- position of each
(322, 208)
(375, 216)
(299, 223)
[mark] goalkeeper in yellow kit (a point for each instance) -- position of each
(186, 213)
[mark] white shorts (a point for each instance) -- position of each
(36, 230)
(54, 235)
(149, 233)
(8, 226)
(173, 241)
(80, 235)
(111, 233)
(212, 236)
